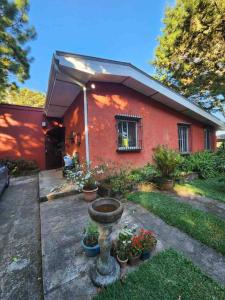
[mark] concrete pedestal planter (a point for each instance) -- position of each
(91, 251)
(105, 212)
(90, 195)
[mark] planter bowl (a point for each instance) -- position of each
(90, 195)
(105, 210)
(91, 251)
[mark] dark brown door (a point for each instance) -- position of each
(54, 147)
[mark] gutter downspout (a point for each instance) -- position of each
(77, 82)
(86, 126)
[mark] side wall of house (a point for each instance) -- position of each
(21, 134)
(159, 124)
(74, 123)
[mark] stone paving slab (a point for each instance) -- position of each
(66, 268)
(20, 249)
(53, 185)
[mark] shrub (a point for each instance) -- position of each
(166, 160)
(122, 183)
(220, 160)
(19, 167)
(143, 175)
(203, 162)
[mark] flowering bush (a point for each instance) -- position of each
(124, 243)
(84, 177)
(136, 246)
(147, 239)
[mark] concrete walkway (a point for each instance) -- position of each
(20, 249)
(53, 185)
(206, 204)
(66, 268)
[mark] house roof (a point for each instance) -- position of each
(221, 137)
(70, 71)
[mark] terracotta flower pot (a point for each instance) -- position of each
(133, 260)
(122, 263)
(166, 184)
(90, 195)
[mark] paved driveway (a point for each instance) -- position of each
(20, 254)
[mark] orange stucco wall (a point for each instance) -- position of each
(21, 134)
(74, 122)
(159, 124)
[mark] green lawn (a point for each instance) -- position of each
(202, 226)
(213, 188)
(168, 275)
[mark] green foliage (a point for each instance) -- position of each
(143, 175)
(121, 184)
(206, 163)
(18, 167)
(14, 33)
(201, 225)
(123, 243)
(91, 234)
(220, 160)
(172, 276)
(24, 97)
(166, 160)
(190, 55)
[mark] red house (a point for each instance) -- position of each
(109, 110)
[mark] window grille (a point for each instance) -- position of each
(183, 138)
(129, 133)
(207, 139)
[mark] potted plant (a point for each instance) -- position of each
(123, 246)
(167, 161)
(90, 188)
(90, 240)
(148, 242)
(135, 250)
(84, 178)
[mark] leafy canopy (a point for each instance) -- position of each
(190, 55)
(24, 97)
(14, 33)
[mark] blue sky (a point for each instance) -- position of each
(117, 29)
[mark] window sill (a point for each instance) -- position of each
(131, 149)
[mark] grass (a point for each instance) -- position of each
(202, 226)
(169, 275)
(212, 188)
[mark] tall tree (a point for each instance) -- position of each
(190, 57)
(14, 33)
(25, 97)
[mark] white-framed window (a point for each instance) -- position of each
(183, 138)
(128, 133)
(207, 139)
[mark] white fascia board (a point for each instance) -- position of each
(96, 66)
(174, 96)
